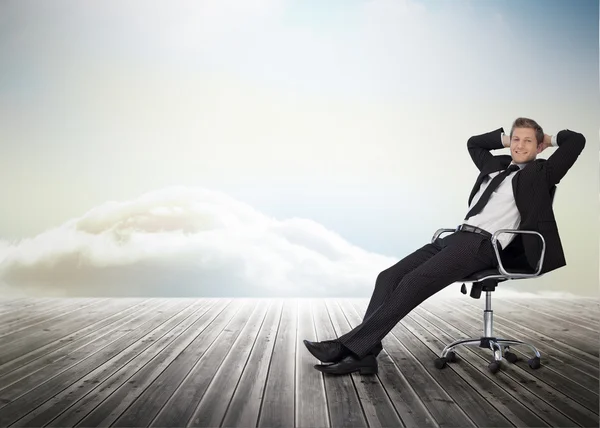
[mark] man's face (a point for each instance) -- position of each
(523, 145)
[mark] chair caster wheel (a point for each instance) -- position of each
(440, 363)
(511, 358)
(534, 363)
(494, 366)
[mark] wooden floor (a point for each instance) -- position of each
(241, 362)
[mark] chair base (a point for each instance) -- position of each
(500, 349)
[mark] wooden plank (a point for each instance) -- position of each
(27, 311)
(150, 362)
(25, 303)
(35, 306)
(177, 311)
(175, 386)
(438, 402)
(277, 406)
(549, 386)
(515, 401)
(410, 408)
(589, 329)
(11, 300)
(379, 410)
(215, 401)
(342, 399)
(587, 315)
(63, 319)
(565, 365)
(525, 333)
(244, 408)
(311, 403)
(40, 335)
(30, 392)
(22, 370)
(582, 304)
(157, 380)
(43, 333)
(27, 319)
(48, 353)
(219, 367)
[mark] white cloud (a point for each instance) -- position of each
(187, 241)
(182, 241)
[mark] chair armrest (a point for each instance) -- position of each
(439, 232)
(501, 266)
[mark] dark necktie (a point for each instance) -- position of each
(490, 189)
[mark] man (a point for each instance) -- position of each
(518, 197)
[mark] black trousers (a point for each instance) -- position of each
(403, 286)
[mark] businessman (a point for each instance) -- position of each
(511, 192)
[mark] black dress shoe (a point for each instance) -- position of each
(349, 364)
(327, 351)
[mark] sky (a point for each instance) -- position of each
(274, 147)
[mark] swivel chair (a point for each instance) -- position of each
(487, 280)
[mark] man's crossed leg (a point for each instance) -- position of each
(398, 290)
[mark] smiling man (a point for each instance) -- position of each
(526, 140)
(511, 192)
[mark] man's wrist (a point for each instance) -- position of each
(550, 140)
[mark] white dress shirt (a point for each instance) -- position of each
(501, 211)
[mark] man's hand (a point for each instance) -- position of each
(545, 144)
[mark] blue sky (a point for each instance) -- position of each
(351, 114)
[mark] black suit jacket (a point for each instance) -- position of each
(533, 187)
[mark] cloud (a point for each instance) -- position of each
(188, 241)
(184, 241)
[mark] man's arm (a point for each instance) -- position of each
(570, 145)
(480, 145)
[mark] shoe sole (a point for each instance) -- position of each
(361, 370)
(368, 370)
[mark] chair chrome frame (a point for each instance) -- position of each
(499, 347)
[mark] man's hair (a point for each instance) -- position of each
(524, 122)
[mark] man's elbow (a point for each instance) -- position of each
(576, 139)
(472, 141)
(580, 140)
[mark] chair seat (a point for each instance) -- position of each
(493, 271)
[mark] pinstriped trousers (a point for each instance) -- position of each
(403, 286)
